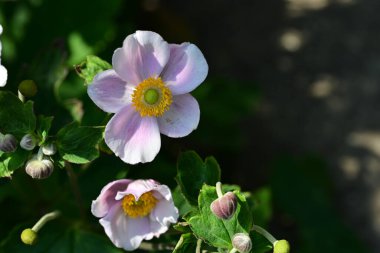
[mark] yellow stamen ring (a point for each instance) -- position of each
(152, 97)
(138, 208)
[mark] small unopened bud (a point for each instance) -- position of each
(225, 206)
(242, 242)
(28, 142)
(49, 149)
(39, 168)
(27, 88)
(8, 143)
(29, 236)
(281, 246)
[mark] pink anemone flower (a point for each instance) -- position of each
(133, 211)
(148, 90)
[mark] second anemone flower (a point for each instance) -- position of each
(148, 90)
(133, 211)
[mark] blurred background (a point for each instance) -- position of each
(290, 109)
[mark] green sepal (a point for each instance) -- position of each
(43, 127)
(92, 66)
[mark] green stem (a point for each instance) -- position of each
(47, 217)
(264, 233)
(198, 248)
(219, 189)
(75, 188)
(233, 250)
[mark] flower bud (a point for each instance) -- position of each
(28, 142)
(49, 149)
(29, 236)
(281, 246)
(27, 88)
(242, 242)
(8, 143)
(39, 168)
(225, 206)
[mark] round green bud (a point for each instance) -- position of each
(28, 88)
(281, 246)
(29, 236)
(151, 96)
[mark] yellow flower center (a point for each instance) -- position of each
(140, 208)
(151, 97)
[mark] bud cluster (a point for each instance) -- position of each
(40, 166)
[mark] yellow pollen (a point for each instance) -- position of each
(150, 103)
(140, 208)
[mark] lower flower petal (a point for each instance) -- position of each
(182, 117)
(109, 91)
(133, 138)
(106, 198)
(125, 232)
(139, 187)
(163, 214)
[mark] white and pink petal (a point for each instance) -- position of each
(106, 199)
(182, 117)
(163, 215)
(144, 54)
(186, 69)
(125, 232)
(133, 138)
(109, 92)
(139, 187)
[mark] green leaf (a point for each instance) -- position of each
(215, 231)
(192, 173)
(59, 238)
(16, 117)
(180, 202)
(9, 162)
(186, 244)
(92, 66)
(43, 127)
(78, 144)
